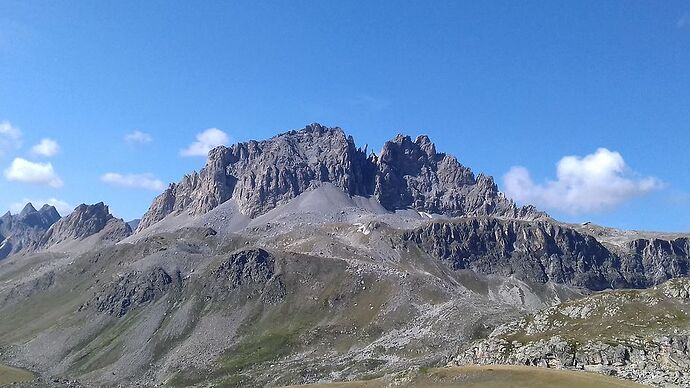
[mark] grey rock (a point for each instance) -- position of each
(133, 290)
(261, 175)
(547, 251)
(411, 174)
(252, 270)
(641, 348)
(85, 221)
(23, 231)
(133, 224)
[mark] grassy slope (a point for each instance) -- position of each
(495, 377)
(9, 375)
(611, 316)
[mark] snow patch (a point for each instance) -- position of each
(361, 228)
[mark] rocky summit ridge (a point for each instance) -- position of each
(86, 221)
(261, 175)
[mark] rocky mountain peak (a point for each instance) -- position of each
(50, 211)
(261, 175)
(24, 230)
(426, 145)
(28, 209)
(85, 221)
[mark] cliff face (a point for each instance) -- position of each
(24, 230)
(541, 251)
(652, 261)
(411, 174)
(263, 175)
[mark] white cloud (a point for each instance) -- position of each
(138, 137)
(10, 137)
(684, 21)
(594, 183)
(62, 207)
(47, 147)
(206, 141)
(139, 181)
(22, 170)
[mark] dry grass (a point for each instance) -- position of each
(496, 376)
(9, 375)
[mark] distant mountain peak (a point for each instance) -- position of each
(84, 221)
(25, 230)
(28, 209)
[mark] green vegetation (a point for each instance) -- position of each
(256, 350)
(10, 375)
(610, 317)
(252, 351)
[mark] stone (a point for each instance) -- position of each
(261, 175)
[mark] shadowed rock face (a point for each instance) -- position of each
(255, 266)
(252, 270)
(262, 175)
(134, 290)
(541, 251)
(24, 230)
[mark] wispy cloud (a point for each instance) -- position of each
(370, 102)
(137, 181)
(594, 183)
(22, 170)
(684, 21)
(10, 137)
(47, 148)
(64, 208)
(205, 142)
(138, 137)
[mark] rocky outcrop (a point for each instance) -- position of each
(83, 222)
(652, 261)
(261, 175)
(24, 231)
(252, 270)
(641, 335)
(658, 361)
(547, 251)
(133, 290)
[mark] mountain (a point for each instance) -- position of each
(260, 176)
(24, 230)
(304, 258)
(41, 230)
(86, 221)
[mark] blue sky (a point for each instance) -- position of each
(499, 84)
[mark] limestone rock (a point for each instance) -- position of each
(261, 175)
(547, 251)
(24, 230)
(85, 221)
